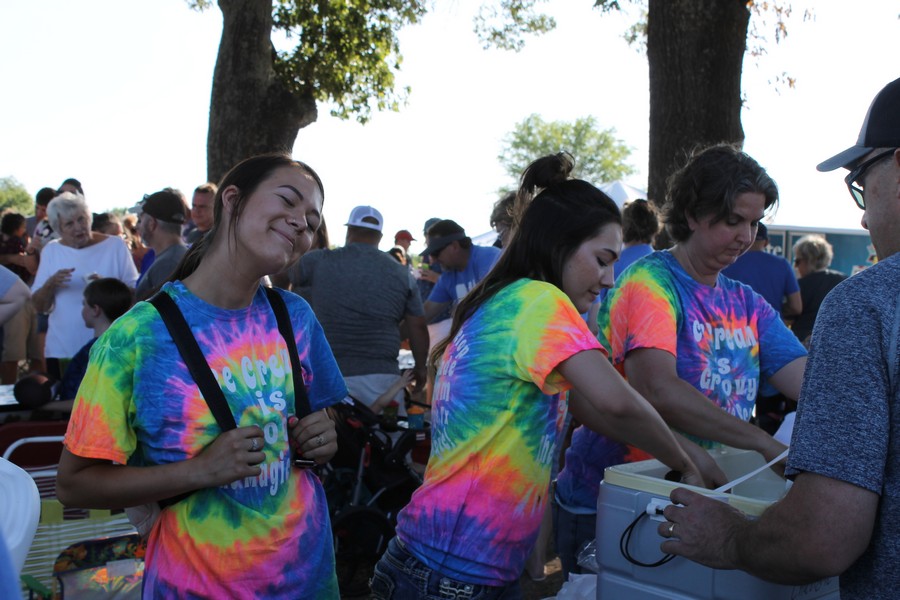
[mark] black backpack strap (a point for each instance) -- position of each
(202, 374)
(301, 398)
(196, 363)
(194, 359)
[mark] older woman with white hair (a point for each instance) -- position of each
(66, 267)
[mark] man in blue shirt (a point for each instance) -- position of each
(463, 264)
(769, 275)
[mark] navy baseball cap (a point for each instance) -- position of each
(881, 129)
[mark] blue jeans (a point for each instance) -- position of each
(401, 576)
(572, 532)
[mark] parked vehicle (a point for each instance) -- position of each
(853, 249)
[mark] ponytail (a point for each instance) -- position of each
(553, 216)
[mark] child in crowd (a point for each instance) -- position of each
(516, 343)
(12, 247)
(105, 300)
(390, 395)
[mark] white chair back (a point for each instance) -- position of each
(21, 510)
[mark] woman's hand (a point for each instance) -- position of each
(234, 455)
(44, 297)
(692, 477)
(708, 470)
(314, 436)
(60, 278)
(771, 449)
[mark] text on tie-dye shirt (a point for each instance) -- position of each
(495, 423)
(722, 337)
(261, 537)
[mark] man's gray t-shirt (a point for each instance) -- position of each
(163, 266)
(848, 417)
(360, 295)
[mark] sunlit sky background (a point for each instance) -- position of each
(117, 94)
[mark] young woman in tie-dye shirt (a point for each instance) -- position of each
(516, 343)
(253, 525)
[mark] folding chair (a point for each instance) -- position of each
(36, 446)
(21, 510)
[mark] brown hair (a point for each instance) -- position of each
(709, 184)
(246, 177)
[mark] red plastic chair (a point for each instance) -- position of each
(37, 452)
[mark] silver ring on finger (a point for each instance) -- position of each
(320, 440)
(672, 530)
(254, 444)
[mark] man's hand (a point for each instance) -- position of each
(429, 275)
(702, 529)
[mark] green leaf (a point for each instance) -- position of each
(599, 155)
(14, 197)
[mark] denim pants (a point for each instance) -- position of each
(572, 532)
(401, 576)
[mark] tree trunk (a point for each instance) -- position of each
(250, 111)
(695, 49)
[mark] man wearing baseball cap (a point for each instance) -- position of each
(161, 217)
(462, 264)
(842, 515)
(403, 238)
(361, 296)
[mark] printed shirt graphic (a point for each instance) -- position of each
(494, 429)
(723, 337)
(262, 537)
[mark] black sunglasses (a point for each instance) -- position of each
(852, 179)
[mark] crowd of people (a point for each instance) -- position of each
(569, 346)
(64, 247)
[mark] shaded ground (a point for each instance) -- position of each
(537, 590)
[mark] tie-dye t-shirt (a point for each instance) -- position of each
(495, 422)
(262, 537)
(722, 337)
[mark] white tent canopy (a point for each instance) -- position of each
(622, 192)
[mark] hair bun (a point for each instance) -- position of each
(546, 171)
(566, 164)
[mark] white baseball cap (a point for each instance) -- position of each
(360, 214)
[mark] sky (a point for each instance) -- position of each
(117, 93)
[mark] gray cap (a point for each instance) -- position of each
(429, 223)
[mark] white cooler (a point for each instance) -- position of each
(628, 489)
